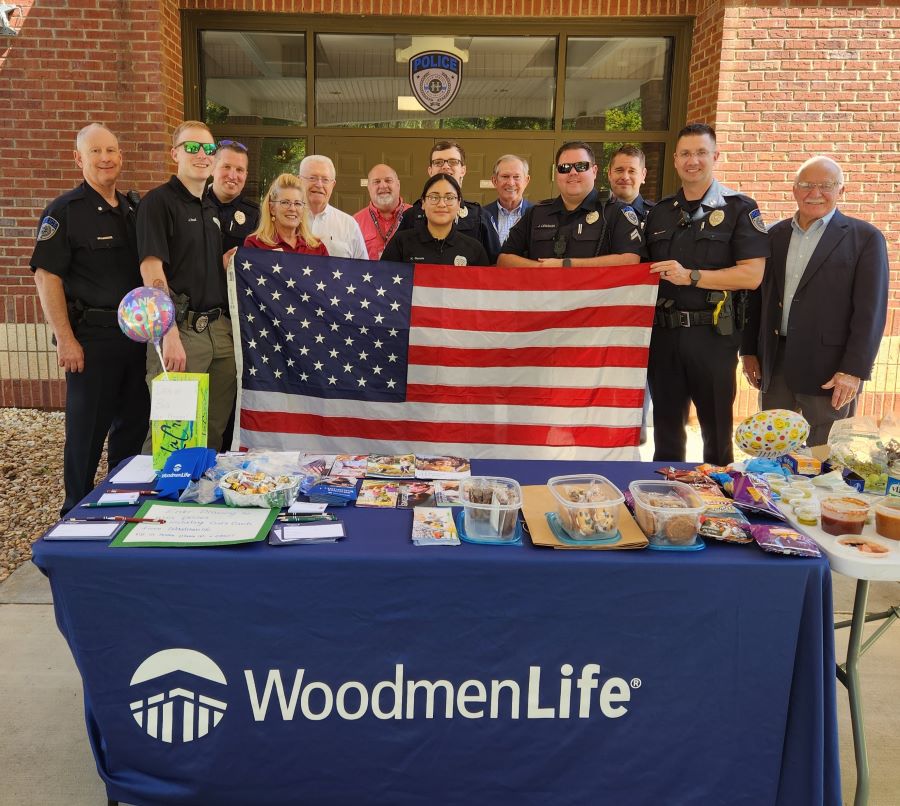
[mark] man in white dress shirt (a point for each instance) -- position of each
(338, 231)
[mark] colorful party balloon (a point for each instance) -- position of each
(771, 433)
(145, 314)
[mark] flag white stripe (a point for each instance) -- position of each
(601, 416)
(537, 301)
(555, 337)
(547, 377)
(321, 444)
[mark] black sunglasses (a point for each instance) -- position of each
(232, 144)
(566, 167)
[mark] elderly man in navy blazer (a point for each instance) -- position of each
(510, 178)
(818, 317)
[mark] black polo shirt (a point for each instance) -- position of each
(418, 245)
(91, 245)
(699, 236)
(181, 230)
(238, 219)
(549, 230)
(471, 220)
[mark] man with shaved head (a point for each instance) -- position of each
(818, 318)
(381, 219)
(85, 260)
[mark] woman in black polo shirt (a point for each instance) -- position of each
(437, 240)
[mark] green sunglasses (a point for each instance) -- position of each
(192, 147)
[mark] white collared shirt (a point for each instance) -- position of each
(339, 232)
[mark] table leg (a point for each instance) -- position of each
(855, 694)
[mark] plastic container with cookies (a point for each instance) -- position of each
(668, 512)
(587, 506)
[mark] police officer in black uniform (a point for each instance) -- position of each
(238, 216)
(449, 157)
(576, 228)
(437, 240)
(85, 260)
(707, 243)
(626, 173)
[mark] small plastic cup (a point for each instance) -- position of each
(806, 514)
(887, 518)
(792, 494)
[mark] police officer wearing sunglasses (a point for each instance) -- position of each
(180, 247)
(708, 244)
(238, 216)
(577, 228)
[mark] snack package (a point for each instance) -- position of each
(753, 494)
(784, 540)
(722, 520)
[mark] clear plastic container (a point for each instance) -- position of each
(795, 493)
(887, 518)
(668, 512)
(844, 515)
(587, 505)
(490, 507)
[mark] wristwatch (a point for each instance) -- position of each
(695, 276)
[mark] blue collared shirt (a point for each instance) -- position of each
(506, 220)
(803, 244)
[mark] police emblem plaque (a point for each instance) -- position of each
(434, 78)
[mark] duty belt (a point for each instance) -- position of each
(99, 317)
(669, 318)
(198, 321)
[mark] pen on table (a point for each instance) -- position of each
(325, 516)
(138, 492)
(122, 518)
(109, 504)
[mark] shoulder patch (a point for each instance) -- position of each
(757, 220)
(48, 228)
(631, 215)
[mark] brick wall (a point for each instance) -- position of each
(754, 73)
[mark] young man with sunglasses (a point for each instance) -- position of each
(576, 228)
(819, 316)
(449, 157)
(180, 248)
(85, 260)
(238, 216)
(707, 242)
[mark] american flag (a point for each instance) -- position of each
(354, 356)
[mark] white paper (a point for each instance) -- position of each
(311, 531)
(139, 470)
(174, 400)
(306, 508)
(83, 531)
(119, 498)
(196, 525)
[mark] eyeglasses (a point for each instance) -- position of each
(450, 163)
(447, 198)
(286, 204)
(232, 144)
(700, 154)
(566, 167)
(318, 180)
(193, 147)
(825, 187)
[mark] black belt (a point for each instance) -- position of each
(198, 321)
(668, 318)
(99, 317)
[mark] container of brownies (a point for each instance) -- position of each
(490, 508)
(668, 512)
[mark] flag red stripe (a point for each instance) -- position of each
(411, 430)
(526, 321)
(529, 356)
(545, 279)
(525, 396)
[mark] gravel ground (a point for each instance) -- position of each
(32, 489)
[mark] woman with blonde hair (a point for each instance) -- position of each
(286, 227)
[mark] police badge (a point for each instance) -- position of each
(460, 260)
(48, 228)
(463, 212)
(434, 78)
(592, 217)
(629, 213)
(716, 217)
(239, 217)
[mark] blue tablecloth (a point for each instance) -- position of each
(713, 680)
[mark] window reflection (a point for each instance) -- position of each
(250, 77)
(620, 84)
(267, 157)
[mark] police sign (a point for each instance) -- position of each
(435, 77)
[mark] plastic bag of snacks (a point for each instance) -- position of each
(784, 540)
(860, 445)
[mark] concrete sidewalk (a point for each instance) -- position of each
(46, 759)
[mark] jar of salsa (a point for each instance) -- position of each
(887, 518)
(844, 515)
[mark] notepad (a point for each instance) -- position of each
(139, 470)
(83, 531)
